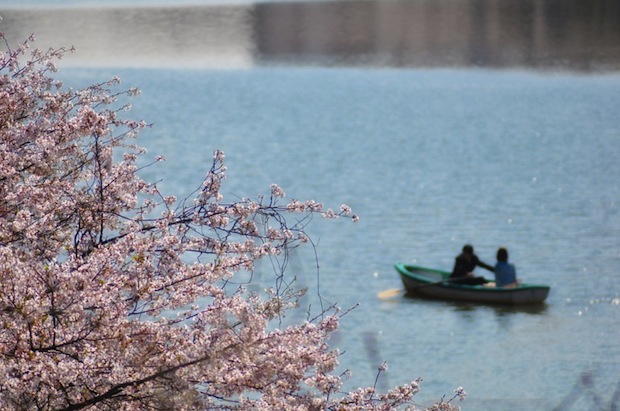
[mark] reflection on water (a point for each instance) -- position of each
(585, 394)
(530, 33)
(464, 307)
(568, 34)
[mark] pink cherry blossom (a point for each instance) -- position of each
(117, 296)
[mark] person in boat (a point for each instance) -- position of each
(505, 273)
(464, 265)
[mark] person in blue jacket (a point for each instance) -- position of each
(464, 265)
(505, 273)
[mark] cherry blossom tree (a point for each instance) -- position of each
(115, 296)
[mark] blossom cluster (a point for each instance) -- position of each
(93, 260)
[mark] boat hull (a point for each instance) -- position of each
(434, 284)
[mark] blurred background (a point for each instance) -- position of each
(541, 34)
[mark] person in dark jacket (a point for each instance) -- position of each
(464, 265)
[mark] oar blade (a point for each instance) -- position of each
(391, 293)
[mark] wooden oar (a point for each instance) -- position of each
(394, 292)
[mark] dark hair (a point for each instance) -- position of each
(468, 249)
(502, 255)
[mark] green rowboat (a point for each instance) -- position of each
(433, 283)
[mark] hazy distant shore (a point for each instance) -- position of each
(538, 34)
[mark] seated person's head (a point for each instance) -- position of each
(502, 255)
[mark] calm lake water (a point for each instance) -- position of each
(430, 159)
